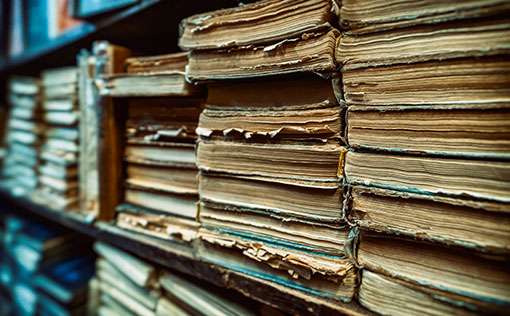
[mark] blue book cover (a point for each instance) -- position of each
(67, 281)
(37, 22)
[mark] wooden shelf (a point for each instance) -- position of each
(179, 257)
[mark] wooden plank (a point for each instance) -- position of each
(110, 153)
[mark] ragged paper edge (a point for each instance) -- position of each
(297, 265)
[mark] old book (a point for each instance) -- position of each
(312, 164)
(388, 296)
(28, 152)
(198, 299)
(324, 238)
(138, 271)
(436, 41)
(22, 85)
(24, 100)
(317, 123)
(58, 171)
(32, 127)
(266, 21)
(455, 81)
(168, 80)
(67, 281)
(16, 158)
(63, 133)
(169, 62)
(468, 130)
(171, 179)
(167, 307)
(370, 16)
(57, 184)
(56, 199)
(59, 76)
(160, 153)
(456, 177)
(61, 91)
(313, 53)
(162, 226)
(331, 277)
(111, 307)
(322, 204)
(452, 275)
(471, 224)
(184, 205)
(59, 144)
(273, 108)
(125, 300)
(274, 93)
(163, 118)
(26, 113)
(146, 296)
(65, 118)
(151, 84)
(23, 137)
(59, 157)
(68, 104)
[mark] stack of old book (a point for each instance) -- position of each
(58, 180)
(161, 112)
(428, 93)
(270, 153)
(23, 135)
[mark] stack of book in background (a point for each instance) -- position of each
(23, 135)
(128, 285)
(429, 123)
(58, 180)
(269, 151)
(161, 176)
(42, 270)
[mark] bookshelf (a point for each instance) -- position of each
(212, 193)
(178, 257)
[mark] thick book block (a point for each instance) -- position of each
(311, 53)
(169, 62)
(452, 275)
(389, 296)
(148, 84)
(474, 130)
(312, 165)
(370, 16)
(138, 271)
(262, 22)
(307, 234)
(455, 81)
(466, 223)
(301, 201)
(149, 222)
(321, 276)
(455, 177)
(465, 38)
